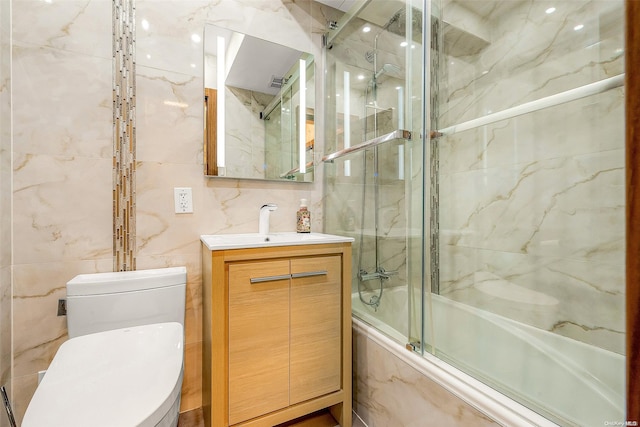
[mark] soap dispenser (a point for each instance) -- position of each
(304, 218)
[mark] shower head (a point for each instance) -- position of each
(387, 68)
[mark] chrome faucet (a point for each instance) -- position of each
(265, 210)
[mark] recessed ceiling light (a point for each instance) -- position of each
(578, 27)
(360, 76)
(145, 24)
(403, 44)
(550, 10)
(366, 29)
(196, 38)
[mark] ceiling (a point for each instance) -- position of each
(343, 5)
(483, 8)
(255, 61)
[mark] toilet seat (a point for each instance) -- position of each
(119, 378)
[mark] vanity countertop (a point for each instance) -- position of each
(216, 242)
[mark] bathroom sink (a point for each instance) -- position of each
(255, 240)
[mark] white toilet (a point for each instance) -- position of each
(123, 363)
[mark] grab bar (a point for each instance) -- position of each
(396, 134)
(539, 104)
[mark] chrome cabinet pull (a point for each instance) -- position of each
(288, 276)
(309, 274)
(270, 278)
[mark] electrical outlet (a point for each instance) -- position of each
(183, 199)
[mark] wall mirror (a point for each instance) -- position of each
(259, 108)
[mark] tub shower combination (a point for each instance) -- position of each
(474, 150)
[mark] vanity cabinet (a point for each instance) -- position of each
(277, 334)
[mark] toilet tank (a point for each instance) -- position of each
(105, 301)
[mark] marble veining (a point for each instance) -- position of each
(388, 392)
(63, 149)
(6, 273)
(537, 201)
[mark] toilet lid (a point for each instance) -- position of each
(126, 377)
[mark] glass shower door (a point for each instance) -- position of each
(373, 156)
(530, 203)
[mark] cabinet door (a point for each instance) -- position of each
(315, 327)
(258, 338)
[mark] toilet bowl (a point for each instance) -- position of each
(123, 363)
(125, 377)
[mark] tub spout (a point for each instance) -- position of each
(374, 301)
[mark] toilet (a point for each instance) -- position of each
(123, 363)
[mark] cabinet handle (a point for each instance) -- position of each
(270, 278)
(288, 276)
(309, 274)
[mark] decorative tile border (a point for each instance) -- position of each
(124, 136)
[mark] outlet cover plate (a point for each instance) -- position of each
(183, 200)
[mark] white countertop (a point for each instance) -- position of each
(254, 240)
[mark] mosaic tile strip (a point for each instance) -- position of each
(124, 134)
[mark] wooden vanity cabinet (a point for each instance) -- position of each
(277, 334)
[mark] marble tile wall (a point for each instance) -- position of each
(170, 149)
(244, 127)
(5, 200)
(536, 203)
(62, 173)
(389, 392)
(62, 169)
(278, 144)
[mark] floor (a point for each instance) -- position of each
(319, 419)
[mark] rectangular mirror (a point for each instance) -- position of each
(259, 100)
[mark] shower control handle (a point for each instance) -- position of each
(380, 273)
(384, 274)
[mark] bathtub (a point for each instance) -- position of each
(580, 384)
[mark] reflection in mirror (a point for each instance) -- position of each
(259, 102)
